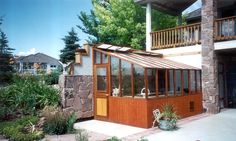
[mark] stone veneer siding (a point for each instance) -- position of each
(77, 94)
(209, 58)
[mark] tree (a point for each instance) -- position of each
(120, 22)
(6, 57)
(68, 53)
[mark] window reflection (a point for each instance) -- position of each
(126, 78)
(101, 79)
(161, 82)
(171, 82)
(151, 75)
(115, 76)
(185, 76)
(178, 82)
(139, 85)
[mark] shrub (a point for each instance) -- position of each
(58, 122)
(52, 78)
(114, 139)
(81, 135)
(142, 139)
(25, 96)
(14, 130)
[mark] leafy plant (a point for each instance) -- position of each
(15, 129)
(57, 121)
(52, 78)
(167, 118)
(25, 96)
(142, 139)
(81, 135)
(114, 139)
(168, 113)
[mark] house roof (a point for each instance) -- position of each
(39, 58)
(196, 14)
(222, 4)
(172, 7)
(148, 60)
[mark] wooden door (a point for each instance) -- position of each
(101, 91)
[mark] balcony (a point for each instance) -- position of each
(224, 28)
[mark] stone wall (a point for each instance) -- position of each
(209, 58)
(77, 94)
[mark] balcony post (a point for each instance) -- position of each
(148, 27)
(209, 58)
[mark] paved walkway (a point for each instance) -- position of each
(108, 128)
(219, 127)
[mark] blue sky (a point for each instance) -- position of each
(38, 25)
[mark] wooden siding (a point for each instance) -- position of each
(138, 112)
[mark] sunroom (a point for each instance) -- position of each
(130, 84)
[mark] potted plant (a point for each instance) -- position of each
(167, 119)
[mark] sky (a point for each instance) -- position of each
(39, 25)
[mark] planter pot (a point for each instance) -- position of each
(167, 125)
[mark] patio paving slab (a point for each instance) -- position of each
(219, 127)
(108, 128)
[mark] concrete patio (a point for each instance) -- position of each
(202, 127)
(217, 127)
(108, 128)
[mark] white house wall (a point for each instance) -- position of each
(190, 55)
(85, 68)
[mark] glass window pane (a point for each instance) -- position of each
(126, 78)
(198, 80)
(161, 82)
(171, 82)
(178, 82)
(104, 58)
(186, 90)
(97, 57)
(193, 81)
(115, 76)
(139, 84)
(101, 79)
(151, 82)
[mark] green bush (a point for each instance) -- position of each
(52, 78)
(14, 130)
(114, 139)
(58, 122)
(81, 135)
(25, 96)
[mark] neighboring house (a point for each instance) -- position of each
(209, 43)
(36, 63)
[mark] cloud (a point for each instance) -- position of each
(30, 51)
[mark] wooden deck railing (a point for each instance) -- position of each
(225, 29)
(179, 36)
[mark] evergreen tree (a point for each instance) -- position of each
(6, 69)
(120, 22)
(71, 44)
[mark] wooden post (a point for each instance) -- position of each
(132, 79)
(120, 79)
